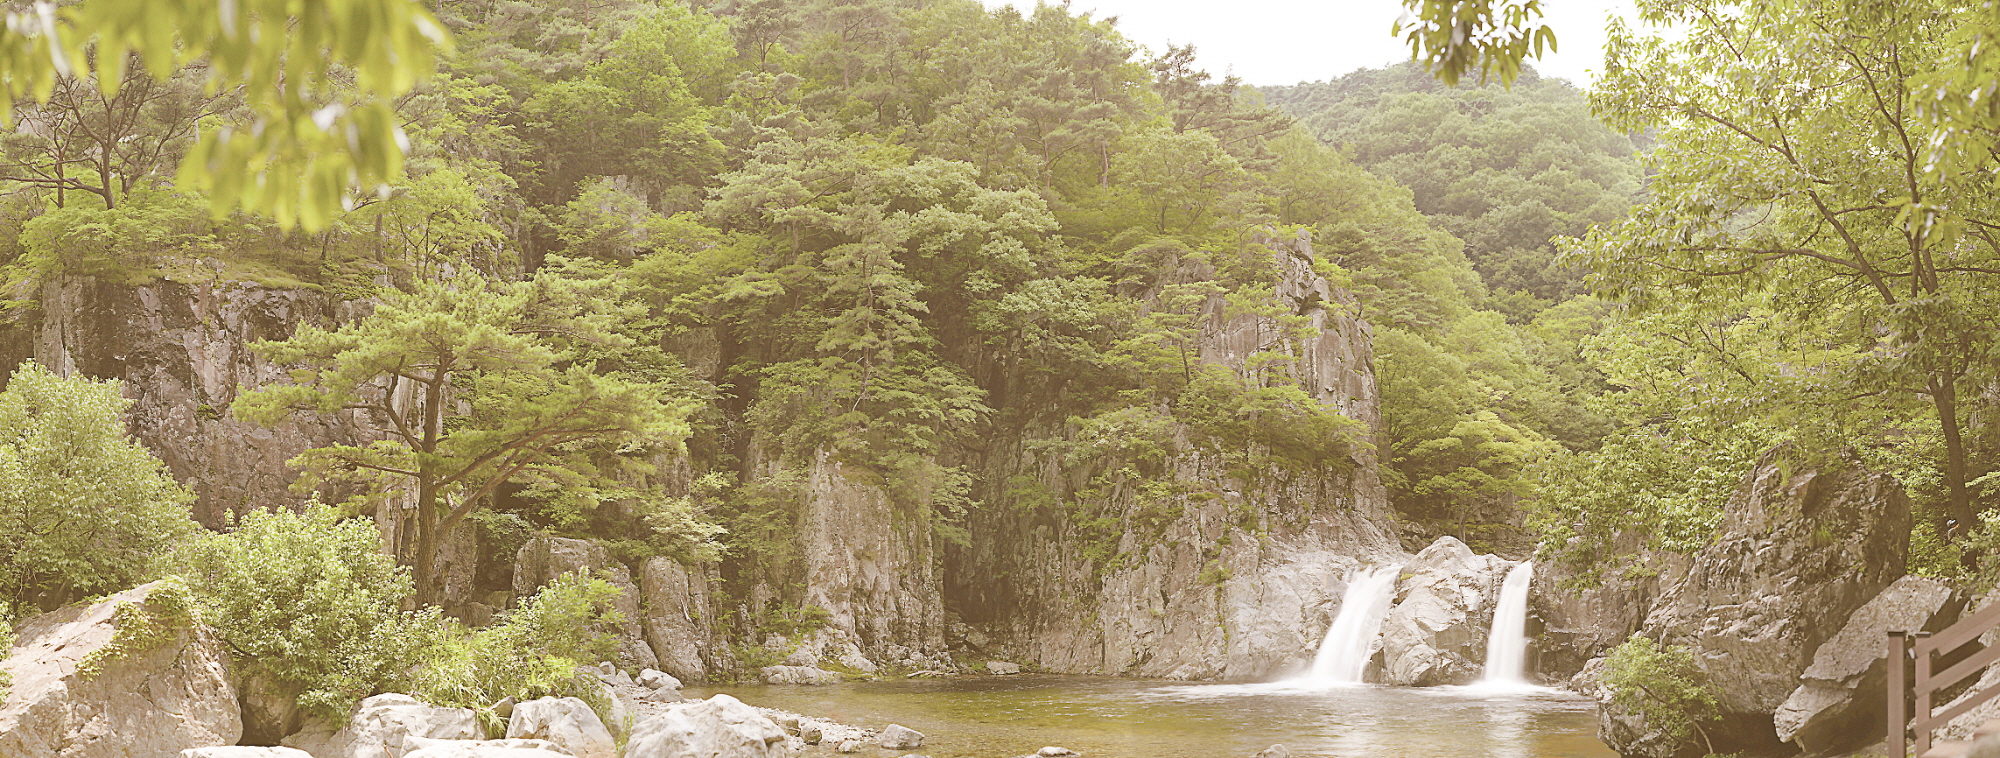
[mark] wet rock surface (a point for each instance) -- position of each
(1435, 633)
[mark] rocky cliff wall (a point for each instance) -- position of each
(181, 350)
(1228, 573)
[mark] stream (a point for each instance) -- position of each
(1001, 717)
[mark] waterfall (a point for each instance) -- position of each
(1350, 641)
(1507, 642)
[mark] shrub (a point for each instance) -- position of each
(305, 599)
(82, 506)
(532, 652)
(1661, 684)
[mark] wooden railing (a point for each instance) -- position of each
(1928, 652)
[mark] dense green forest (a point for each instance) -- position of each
(721, 239)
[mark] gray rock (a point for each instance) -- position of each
(676, 609)
(244, 751)
(1275, 751)
(797, 675)
(1052, 751)
(1799, 549)
(383, 727)
(157, 702)
(810, 732)
(1002, 668)
(655, 679)
(899, 737)
(567, 722)
(1834, 709)
(542, 559)
(504, 707)
(663, 695)
(719, 727)
(489, 749)
(850, 746)
(1435, 633)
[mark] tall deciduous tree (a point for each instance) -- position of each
(1794, 163)
(471, 385)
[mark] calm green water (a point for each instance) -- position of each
(1001, 717)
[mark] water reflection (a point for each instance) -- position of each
(1116, 718)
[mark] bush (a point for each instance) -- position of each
(533, 652)
(306, 600)
(82, 506)
(1661, 684)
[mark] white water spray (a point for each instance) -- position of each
(1350, 641)
(1507, 641)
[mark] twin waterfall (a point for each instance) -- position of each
(1352, 639)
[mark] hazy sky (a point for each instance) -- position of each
(1289, 41)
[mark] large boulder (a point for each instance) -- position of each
(1837, 707)
(1801, 546)
(387, 726)
(567, 722)
(1436, 631)
(152, 697)
(719, 727)
(675, 620)
(542, 559)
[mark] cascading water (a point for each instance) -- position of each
(1350, 641)
(1507, 642)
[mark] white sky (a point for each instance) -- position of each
(1283, 42)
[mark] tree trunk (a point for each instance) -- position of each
(1944, 394)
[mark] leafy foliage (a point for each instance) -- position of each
(505, 390)
(310, 135)
(533, 651)
(65, 461)
(1660, 683)
(306, 600)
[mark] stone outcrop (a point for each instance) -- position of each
(1231, 575)
(1800, 548)
(152, 697)
(1838, 705)
(676, 617)
(542, 559)
(567, 723)
(874, 571)
(387, 726)
(719, 727)
(182, 350)
(244, 751)
(1435, 632)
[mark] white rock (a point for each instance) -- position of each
(244, 751)
(1053, 751)
(657, 679)
(899, 737)
(1002, 668)
(719, 727)
(490, 749)
(568, 722)
(157, 702)
(850, 746)
(382, 727)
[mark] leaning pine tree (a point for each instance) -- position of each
(471, 384)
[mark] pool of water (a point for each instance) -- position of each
(1000, 717)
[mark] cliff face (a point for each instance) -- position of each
(182, 352)
(1230, 572)
(1234, 574)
